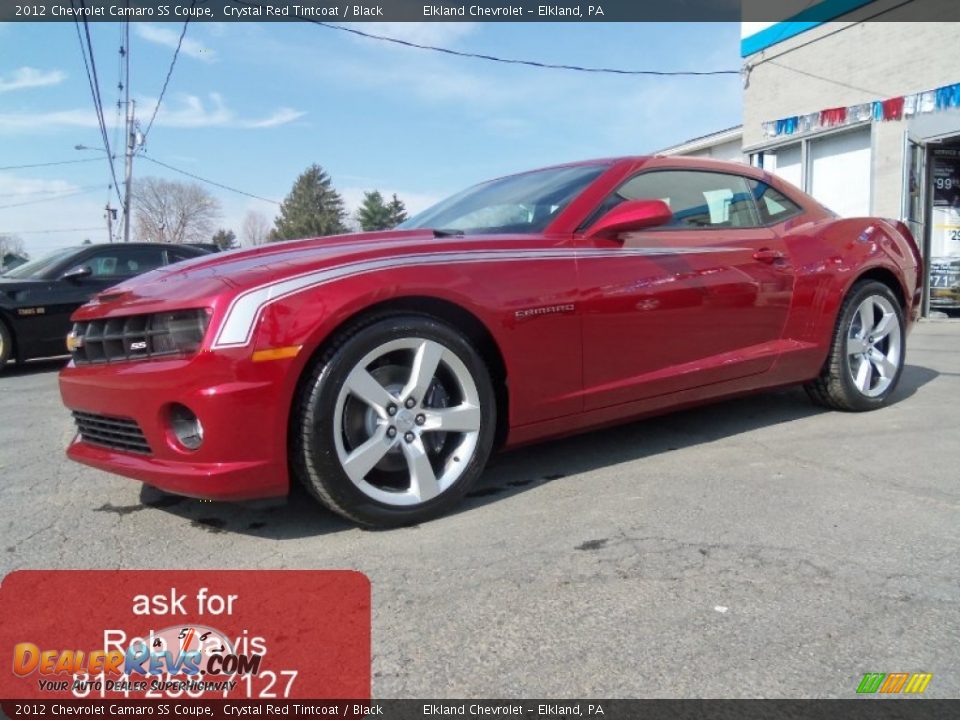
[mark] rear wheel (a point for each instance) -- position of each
(867, 353)
(395, 422)
(6, 345)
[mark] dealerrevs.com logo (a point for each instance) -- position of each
(894, 683)
(184, 657)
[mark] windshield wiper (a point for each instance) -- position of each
(440, 232)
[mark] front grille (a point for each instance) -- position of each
(111, 432)
(135, 337)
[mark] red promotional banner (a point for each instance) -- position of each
(184, 635)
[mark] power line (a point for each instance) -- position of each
(94, 83)
(208, 181)
(55, 230)
(874, 93)
(48, 164)
(509, 61)
(57, 197)
(46, 192)
(517, 61)
(166, 81)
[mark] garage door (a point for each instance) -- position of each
(840, 172)
(785, 162)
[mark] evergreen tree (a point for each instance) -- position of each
(224, 239)
(312, 209)
(373, 213)
(397, 210)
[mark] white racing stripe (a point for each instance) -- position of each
(244, 311)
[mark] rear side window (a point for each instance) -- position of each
(772, 204)
(124, 262)
(698, 200)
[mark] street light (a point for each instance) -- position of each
(87, 147)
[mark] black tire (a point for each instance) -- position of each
(6, 345)
(836, 387)
(314, 453)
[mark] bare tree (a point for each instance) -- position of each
(256, 228)
(174, 212)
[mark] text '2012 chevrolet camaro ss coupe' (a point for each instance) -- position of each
(381, 369)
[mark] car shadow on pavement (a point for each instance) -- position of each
(34, 367)
(517, 471)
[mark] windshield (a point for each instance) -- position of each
(517, 204)
(37, 268)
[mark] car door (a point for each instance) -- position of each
(68, 291)
(700, 300)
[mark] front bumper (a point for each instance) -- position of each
(241, 405)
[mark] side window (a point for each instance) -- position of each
(699, 200)
(136, 261)
(103, 265)
(125, 262)
(772, 204)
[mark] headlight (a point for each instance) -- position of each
(180, 331)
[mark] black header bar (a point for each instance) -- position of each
(344, 11)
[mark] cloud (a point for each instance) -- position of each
(169, 38)
(184, 111)
(191, 111)
(422, 33)
(28, 77)
(63, 215)
(62, 118)
(281, 116)
(13, 186)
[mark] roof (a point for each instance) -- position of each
(704, 141)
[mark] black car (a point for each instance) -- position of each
(38, 297)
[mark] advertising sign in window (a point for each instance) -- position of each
(945, 228)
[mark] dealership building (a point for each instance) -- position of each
(863, 112)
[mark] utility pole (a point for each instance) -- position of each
(111, 216)
(128, 179)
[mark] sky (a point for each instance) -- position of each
(251, 105)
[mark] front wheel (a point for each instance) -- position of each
(395, 422)
(867, 352)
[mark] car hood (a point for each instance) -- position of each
(213, 279)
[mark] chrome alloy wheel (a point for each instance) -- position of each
(874, 346)
(407, 421)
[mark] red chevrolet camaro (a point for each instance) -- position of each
(381, 369)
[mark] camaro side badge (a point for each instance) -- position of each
(546, 310)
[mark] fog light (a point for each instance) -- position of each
(186, 427)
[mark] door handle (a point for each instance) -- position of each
(768, 255)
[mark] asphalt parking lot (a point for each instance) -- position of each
(757, 547)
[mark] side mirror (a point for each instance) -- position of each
(632, 215)
(77, 273)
